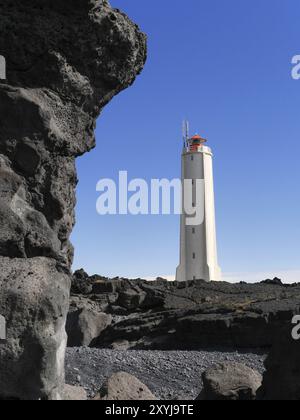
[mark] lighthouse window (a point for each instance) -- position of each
(192, 157)
(193, 231)
(194, 256)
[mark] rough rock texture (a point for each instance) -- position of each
(230, 382)
(32, 358)
(74, 393)
(125, 387)
(81, 284)
(83, 326)
(65, 62)
(282, 377)
(163, 315)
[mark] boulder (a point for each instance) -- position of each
(85, 325)
(35, 309)
(131, 299)
(123, 386)
(74, 393)
(230, 382)
(81, 283)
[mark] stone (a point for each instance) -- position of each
(74, 393)
(131, 299)
(101, 286)
(281, 379)
(81, 283)
(230, 382)
(123, 386)
(121, 345)
(85, 325)
(35, 310)
(65, 61)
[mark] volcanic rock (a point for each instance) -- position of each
(81, 283)
(35, 311)
(74, 393)
(125, 387)
(230, 382)
(282, 377)
(83, 326)
(65, 61)
(275, 282)
(162, 315)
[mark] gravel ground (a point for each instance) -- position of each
(170, 375)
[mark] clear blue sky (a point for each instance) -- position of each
(226, 65)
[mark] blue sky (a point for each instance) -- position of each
(226, 66)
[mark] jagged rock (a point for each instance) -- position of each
(81, 283)
(163, 315)
(275, 282)
(282, 377)
(74, 393)
(65, 61)
(230, 382)
(85, 325)
(35, 310)
(122, 386)
(101, 286)
(131, 299)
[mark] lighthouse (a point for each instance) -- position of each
(198, 243)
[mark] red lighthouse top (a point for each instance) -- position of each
(192, 144)
(196, 142)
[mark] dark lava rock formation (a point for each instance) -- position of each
(282, 377)
(65, 61)
(192, 315)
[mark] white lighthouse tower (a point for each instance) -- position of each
(198, 244)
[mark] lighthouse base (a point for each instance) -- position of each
(211, 274)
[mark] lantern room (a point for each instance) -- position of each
(196, 142)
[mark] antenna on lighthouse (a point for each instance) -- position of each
(185, 132)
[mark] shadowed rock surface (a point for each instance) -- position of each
(163, 315)
(65, 61)
(282, 377)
